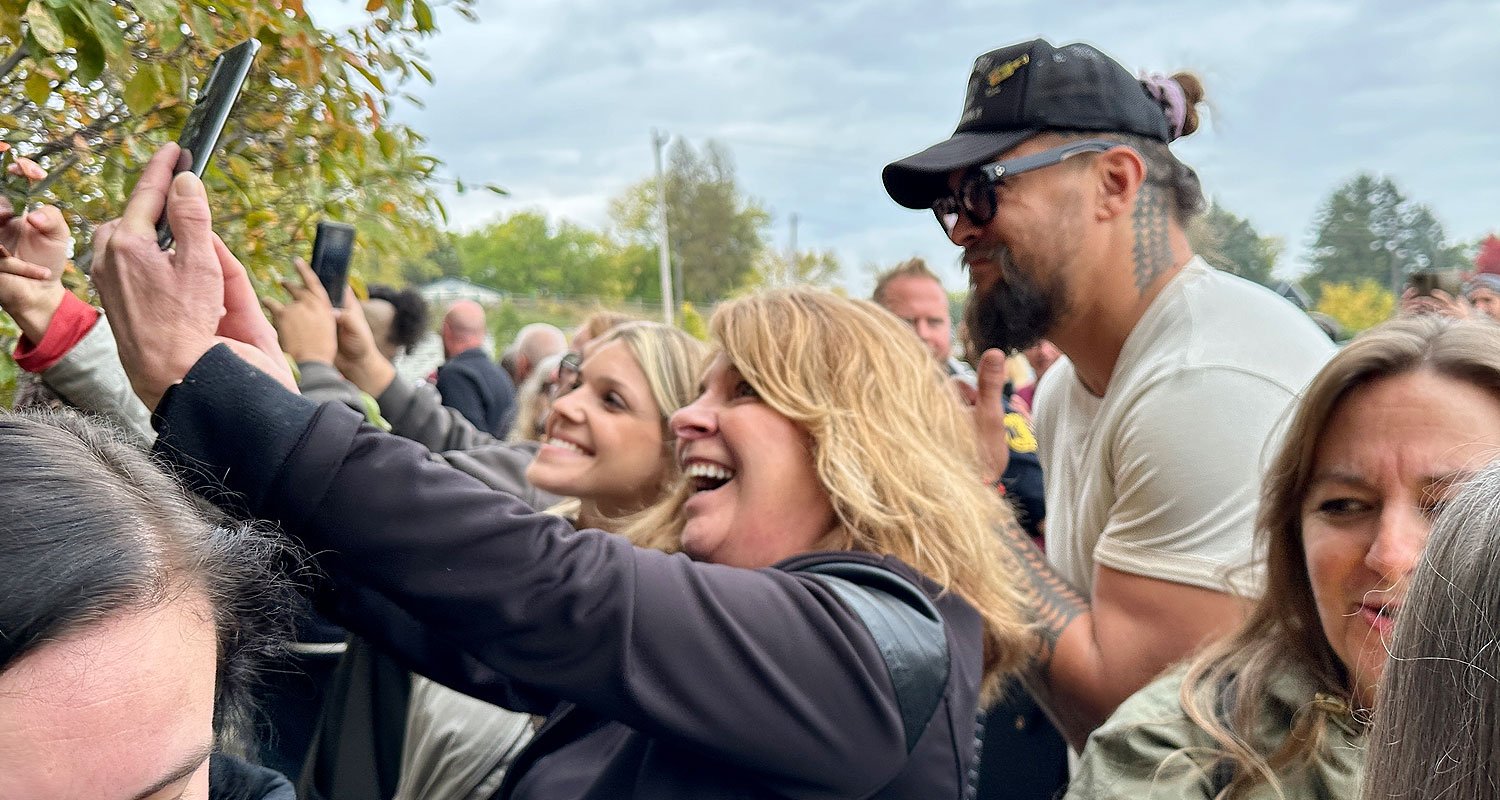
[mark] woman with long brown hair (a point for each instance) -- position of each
(1280, 709)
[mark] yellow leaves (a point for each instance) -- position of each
(374, 5)
(388, 207)
(45, 28)
(1356, 306)
(38, 88)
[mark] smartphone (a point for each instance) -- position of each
(1424, 282)
(205, 123)
(332, 247)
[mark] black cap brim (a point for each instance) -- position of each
(917, 180)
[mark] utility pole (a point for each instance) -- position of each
(663, 244)
(791, 259)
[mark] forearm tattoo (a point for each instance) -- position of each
(1153, 249)
(1054, 603)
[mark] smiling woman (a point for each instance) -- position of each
(132, 627)
(1385, 433)
(607, 445)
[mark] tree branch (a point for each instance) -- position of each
(14, 59)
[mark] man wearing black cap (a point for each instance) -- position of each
(1070, 208)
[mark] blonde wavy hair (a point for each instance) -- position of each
(1224, 688)
(672, 361)
(892, 446)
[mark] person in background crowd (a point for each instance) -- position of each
(913, 292)
(1041, 356)
(534, 344)
(1433, 736)
(595, 325)
(534, 401)
(1483, 293)
(133, 627)
(1070, 207)
(829, 530)
(1023, 754)
(1438, 303)
(1384, 436)
(398, 319)
(469, 382)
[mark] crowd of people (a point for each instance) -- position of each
(1157, 518)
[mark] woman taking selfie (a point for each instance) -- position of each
(1387, 430)
(840, 606)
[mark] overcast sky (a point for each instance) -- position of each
(555, 100)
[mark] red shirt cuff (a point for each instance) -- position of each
(72, 321)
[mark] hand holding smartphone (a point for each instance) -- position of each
(332, 248)
(205, 123)
(1425, 282)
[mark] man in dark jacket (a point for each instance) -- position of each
(469, 381)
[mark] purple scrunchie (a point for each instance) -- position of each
(1172, 98)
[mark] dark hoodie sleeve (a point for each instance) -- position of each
(431, 562)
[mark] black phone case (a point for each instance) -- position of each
(205, 123)
(332, 248)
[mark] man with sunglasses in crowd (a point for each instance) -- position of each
(1071, 209)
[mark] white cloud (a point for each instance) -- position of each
(555, 101)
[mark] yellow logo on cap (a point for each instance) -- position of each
(1004, 71)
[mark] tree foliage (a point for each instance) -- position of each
(716, 233)
(1356, 306)
(1368, 229)
(1488, 257)
(91, 88)
(526, 254)
(773, 269)
(1232, 244)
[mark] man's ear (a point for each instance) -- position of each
(1119, 173)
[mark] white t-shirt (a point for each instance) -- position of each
(1161, 476)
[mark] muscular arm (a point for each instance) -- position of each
(1093, 652)
(1185, 483)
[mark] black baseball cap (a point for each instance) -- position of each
(1019, 91)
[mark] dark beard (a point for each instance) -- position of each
(1016, 311)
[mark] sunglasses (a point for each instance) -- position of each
(975, 197)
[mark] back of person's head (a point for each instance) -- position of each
(910, 268)
(1284, 631)
(463, 326)
(596, 324)
(538, 340)
(891, 445)
(1436, 732)
(91, 530)
(409, 325)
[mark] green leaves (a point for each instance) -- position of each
(38, 88)
(307, 139)
(422, 15)
(46, 30)
(144, 89)
(156, 10)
